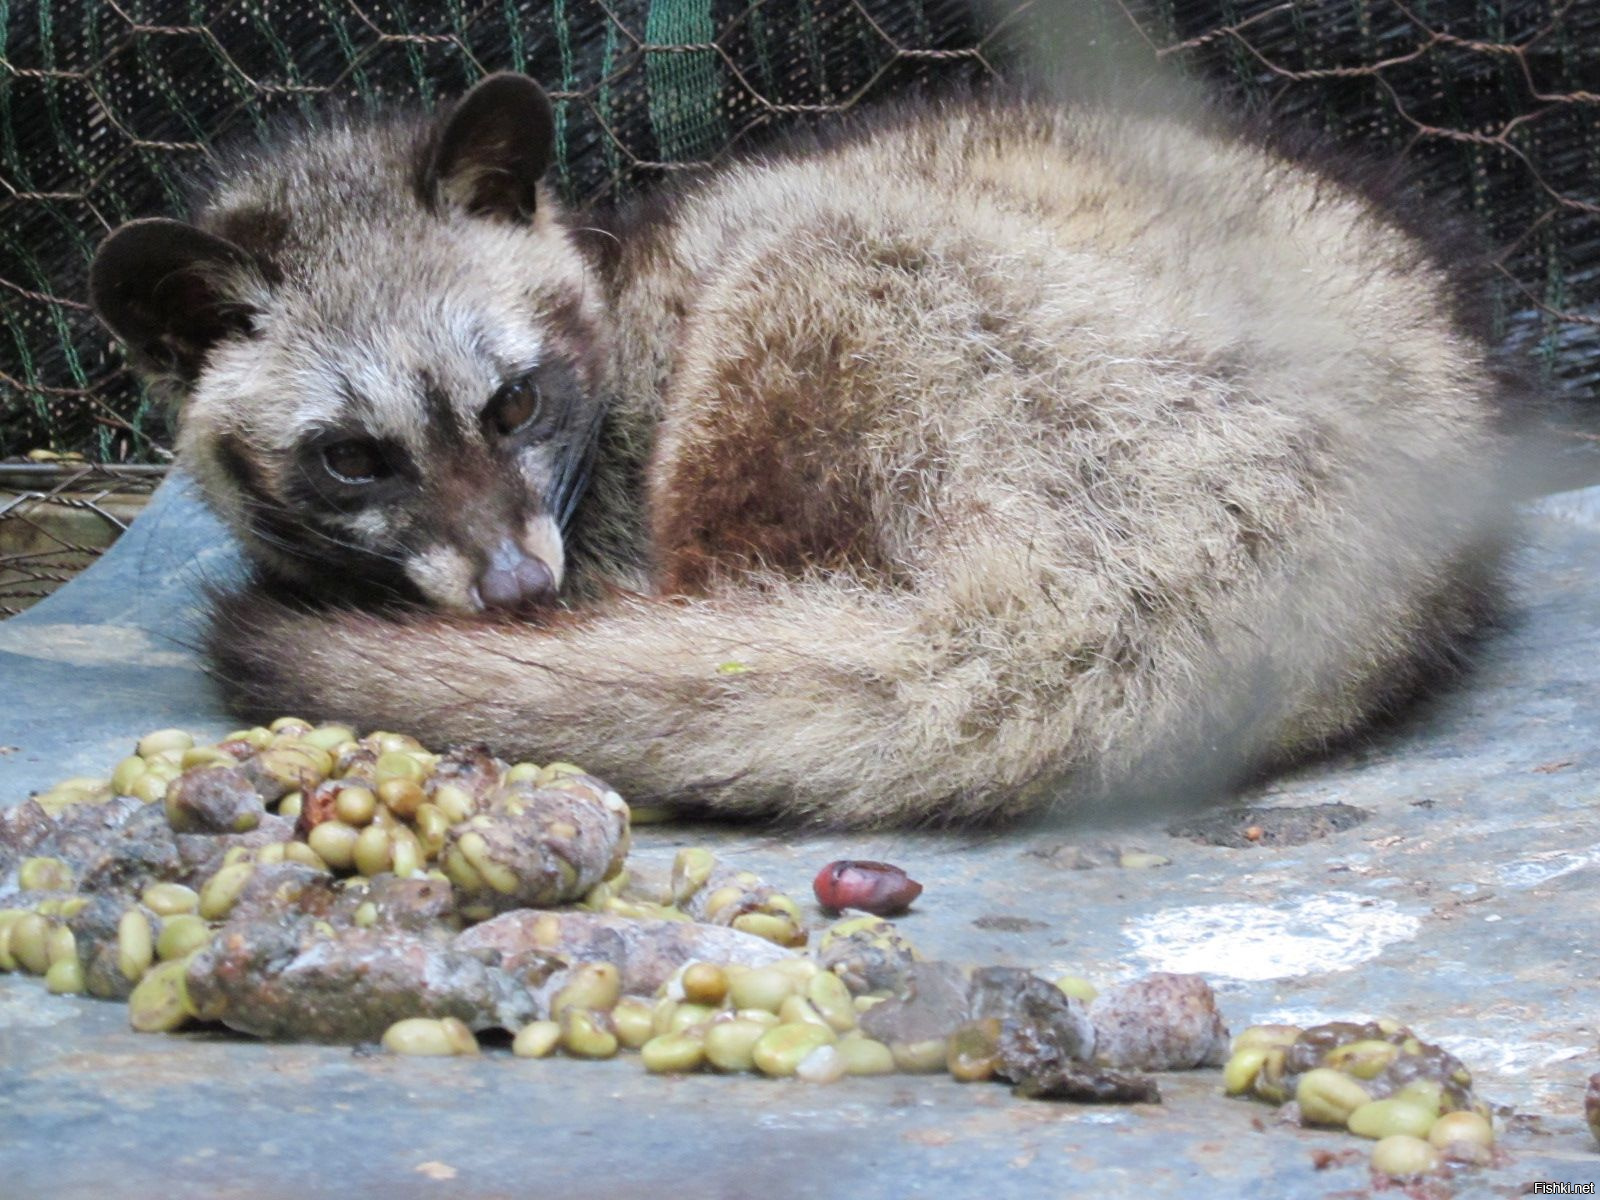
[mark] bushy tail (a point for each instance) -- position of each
(808, 700)
(977, 695)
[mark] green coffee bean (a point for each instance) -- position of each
(973, 1052)
(151, 787)
(1426, 1093)
(373, 852)
(832, 1000)
(1078, 988)
(704, 983)
(65, 977)
(1380, 1118)
(44, 875)
(295, 765)
(464, 1040)
(1141, 860)
(223, 889)
(551, 772)
(1240, 1073)
(864, 1056)
(779, 1051)
(522, 772)
(431, 826)
(779, 929)
(797, 1009)
(56, 799)
(81, 789)
(822, 1065)
(1364, 1059)
(161, 741)
(135, 947)
(329, 737)
(181, 935)
(127, 773)
(157, 1003)
(921, 1058)
(686, 1016)
(1269, 1082)
(396, 764)
(299, 852)
(497, 875)
(537, 1039)
(691, 867)
(592, 985)
(206, 756)
(1328, 1097)
(644, 910)
(672, 1053)
(1401, 1155)
(29, 936)
(723, 897)
(425, 1036)
(784, 905)
(60, 945)
(170, 899)
(587, 1034)
(402, 797)
(8, 918)
(454, 801)
(335, 843)
(730, 1045)
(1469, 1127)
(406, 852)
(763, 987)
(661, 1015)
(1267, 1036)
(633, 1021)
(291, 806)
(355, 805)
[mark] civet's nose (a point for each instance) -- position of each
(515, 579)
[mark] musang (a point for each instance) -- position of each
(977, 455)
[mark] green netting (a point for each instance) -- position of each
(107, 108)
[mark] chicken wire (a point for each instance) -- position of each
(107, 109)
(56, 519)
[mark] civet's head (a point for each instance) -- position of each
(384, 347)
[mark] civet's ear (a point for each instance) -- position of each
(492, 149)
(170, 292)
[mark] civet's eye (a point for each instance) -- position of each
(513, 407)
(354, 461)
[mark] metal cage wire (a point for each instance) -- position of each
(108, 108)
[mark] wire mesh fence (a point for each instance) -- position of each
(108, 108)
(55, 518)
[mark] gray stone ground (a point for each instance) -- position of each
(1465, 906)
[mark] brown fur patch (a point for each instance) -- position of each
(775, 487)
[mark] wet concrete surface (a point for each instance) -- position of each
(1465, 905)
